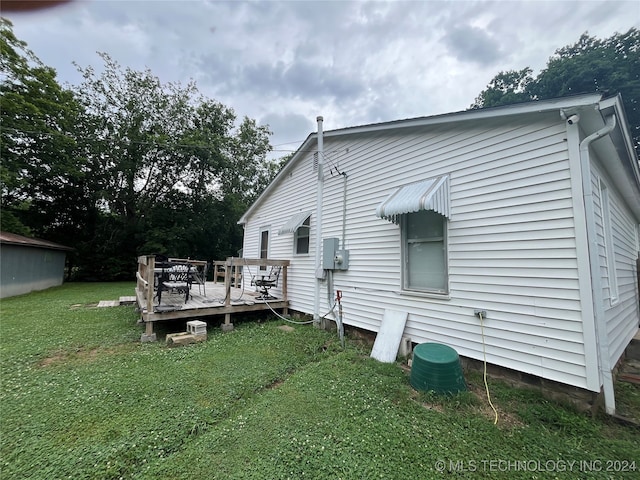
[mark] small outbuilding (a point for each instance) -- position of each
(510, 230)
(29, 264)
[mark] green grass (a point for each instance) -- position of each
(82, 398)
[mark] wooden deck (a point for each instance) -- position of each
(220, 298)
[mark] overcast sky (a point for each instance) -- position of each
(284, 63)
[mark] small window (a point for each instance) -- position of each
(301, 238)
(608, 244)
(264, 246)
(424, 252)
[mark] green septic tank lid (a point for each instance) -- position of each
(436, 367)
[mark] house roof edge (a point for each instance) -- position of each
(535, 106)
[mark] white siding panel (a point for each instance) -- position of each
(622, 316)
(511, 239)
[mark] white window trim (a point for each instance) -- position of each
(405, 270)
(609, 250)
(295, 238)
(262, 230)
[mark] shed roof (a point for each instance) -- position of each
(14, 239)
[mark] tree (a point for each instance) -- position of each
(122, 164)
(506, 88)
(166, 156)
(609, 66)
(42, 181)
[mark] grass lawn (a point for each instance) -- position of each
(82, 398)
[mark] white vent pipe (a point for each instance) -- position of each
(319, 194)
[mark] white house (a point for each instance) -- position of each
(529, 212)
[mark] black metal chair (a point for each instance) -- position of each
(266, 281)
(175, 277)
(199, 277)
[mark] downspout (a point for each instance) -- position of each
(319, 194)
(602, 336)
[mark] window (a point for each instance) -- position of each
(299, 225)
(301, 238)
(264, 246)
(608, 244)
(424, 246)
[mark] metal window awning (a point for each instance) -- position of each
(430, 194)
(294, 223)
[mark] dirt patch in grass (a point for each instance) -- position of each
(505, 418)
(477, 403)
(81, 354)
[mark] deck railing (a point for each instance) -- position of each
(233, 275)
(233, 270)
(145, 281)
(233, 266)
(219, 272)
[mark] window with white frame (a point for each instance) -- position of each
(264, 246)
(608, 244)
(301, 238)
(424, 251)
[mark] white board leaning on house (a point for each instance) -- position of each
(385, 348)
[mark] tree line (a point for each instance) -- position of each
(123, 165)
(609, 66)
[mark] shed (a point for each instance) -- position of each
(28, 264)
(528, 212)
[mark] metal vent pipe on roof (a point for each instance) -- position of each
(319, 194)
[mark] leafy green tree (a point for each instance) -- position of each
(506, 88)
(609, 66)
(166, 157)
(43, 182)
(122, 165)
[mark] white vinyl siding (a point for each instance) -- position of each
(511, 239)
(617, 238)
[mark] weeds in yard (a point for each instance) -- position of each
(82, 398)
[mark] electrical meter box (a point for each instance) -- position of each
(332, 257)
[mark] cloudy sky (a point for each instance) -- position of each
(284, 63)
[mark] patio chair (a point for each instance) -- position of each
(199, 277)
(266, 281)
(175, 278)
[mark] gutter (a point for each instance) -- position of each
(604, 363)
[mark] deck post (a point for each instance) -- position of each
(227, 326)
(148, 335)
(151, 265)
(149, 277)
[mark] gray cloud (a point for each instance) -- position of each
(473, 44)
(284, 63)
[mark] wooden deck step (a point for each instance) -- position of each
(108, 303)
(127, 300)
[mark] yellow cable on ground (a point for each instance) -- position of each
(484, 354)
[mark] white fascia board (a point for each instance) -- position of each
(538, 106)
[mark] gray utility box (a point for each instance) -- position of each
(332, 257)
